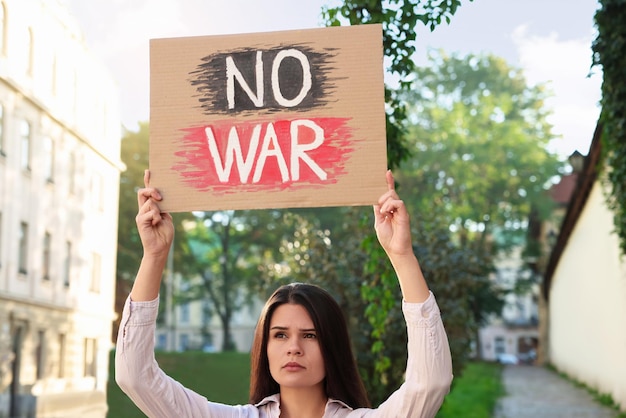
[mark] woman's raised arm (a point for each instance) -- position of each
(156, 231)
(393, 230)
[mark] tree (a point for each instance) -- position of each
(609, 49)
(227, 249)
(480, 137)
(481, 162)
(398, 19)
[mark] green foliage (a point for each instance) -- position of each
(475, 394)
(398, 19)
(227, 248)
(479, 133)
(609, 50)
(195, 370)
(337, 249)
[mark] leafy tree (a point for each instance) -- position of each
(227, 249)
(609, 49)
(398, 19)
(481, 162)
(479, 134)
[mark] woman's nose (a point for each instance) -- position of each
(294, 348)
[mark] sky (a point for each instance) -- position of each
(550, 40)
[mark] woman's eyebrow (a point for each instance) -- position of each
(281, 328)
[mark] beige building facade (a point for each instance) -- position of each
(59, 188)
(586, 291)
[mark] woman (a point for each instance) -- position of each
(302, 364)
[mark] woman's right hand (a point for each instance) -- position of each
(156, 228)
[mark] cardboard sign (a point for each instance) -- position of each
(268, 120)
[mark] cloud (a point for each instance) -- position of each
(564, 66)
(136, 22)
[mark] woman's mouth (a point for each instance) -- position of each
(293, 366)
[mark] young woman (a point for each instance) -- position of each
(302, 363)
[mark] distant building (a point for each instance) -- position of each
(520, 332)
(513, 335)
(59, 188)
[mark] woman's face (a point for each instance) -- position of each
(293, 351)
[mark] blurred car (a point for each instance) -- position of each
(209, 348)
(507, 358)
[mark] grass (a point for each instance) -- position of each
(221, 377)
(224, 377)
(475, 393)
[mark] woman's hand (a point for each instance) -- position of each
(156, 229)
(392, 222)
(393, 230)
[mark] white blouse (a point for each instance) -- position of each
(427, 381)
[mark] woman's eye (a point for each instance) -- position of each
(280, 335)
(310, 335)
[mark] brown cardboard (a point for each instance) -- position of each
(312, 134)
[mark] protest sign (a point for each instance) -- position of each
(268, 120)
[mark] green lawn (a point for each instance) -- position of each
(224, 377)
(474, 395)
(221, 377)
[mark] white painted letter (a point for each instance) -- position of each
(270, 140)
(306, 77)
(233, 148)
(298, 151)
(232, 73)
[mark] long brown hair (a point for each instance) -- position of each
(342, 380)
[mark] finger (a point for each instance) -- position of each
(149, 217)
(146, 178)
(391, 206)
(391, 184)
(147, 193)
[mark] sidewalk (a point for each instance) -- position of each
(536, 392)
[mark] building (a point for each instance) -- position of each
(520, 332)
(59, 189)
(513, 335)
(585, 289)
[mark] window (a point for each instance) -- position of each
(30, 59)
(54, 76)
(3, 28)
(45, 262)
(72, 174)
(2, 145)
(90, 357)
(61, 356)
(0, 238)
(500, 345)
(184, 313)
(23, 248)
(161, 342)
(97, 191)
(67, 264)
(96, 265)
(40, 360)
(25, 134)
(184, 342)
(48, 167)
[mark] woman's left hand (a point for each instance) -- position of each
(392, 222)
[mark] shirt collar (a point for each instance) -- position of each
(276, 399)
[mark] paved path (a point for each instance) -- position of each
(536, 392)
